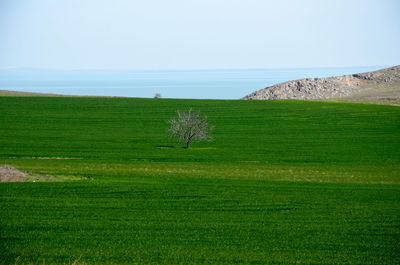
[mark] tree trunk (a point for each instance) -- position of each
(187, 145)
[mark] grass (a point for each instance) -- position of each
(284, 182)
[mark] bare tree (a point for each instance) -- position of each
(157, 95)
(190, 126)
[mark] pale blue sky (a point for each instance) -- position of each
(206, 34)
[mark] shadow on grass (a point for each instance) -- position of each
(165, 146)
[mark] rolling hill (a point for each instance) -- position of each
(382, 86)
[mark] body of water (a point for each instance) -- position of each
(198, 84)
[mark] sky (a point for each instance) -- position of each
(206, 34)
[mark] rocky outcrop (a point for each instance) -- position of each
(339, 87)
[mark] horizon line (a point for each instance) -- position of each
(191, 69)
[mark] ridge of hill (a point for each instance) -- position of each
(381, 86)
(12, 93)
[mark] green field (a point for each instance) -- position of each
(283, 182)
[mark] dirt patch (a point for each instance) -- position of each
(11, 174)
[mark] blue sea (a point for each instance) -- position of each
(197, 84)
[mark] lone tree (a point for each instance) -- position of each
(190, 126)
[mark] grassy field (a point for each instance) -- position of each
(283, 182)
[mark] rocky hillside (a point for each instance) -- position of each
(382, 86)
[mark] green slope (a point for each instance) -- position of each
(284, 182)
